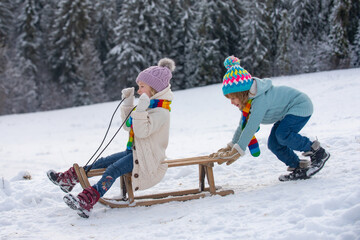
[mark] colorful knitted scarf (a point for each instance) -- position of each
(154, 103)
(253, 145)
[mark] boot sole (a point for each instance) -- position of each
(48, 174)
(310, 173)
(282, 178)
(74, 204)
(71, 201)
(64, 189)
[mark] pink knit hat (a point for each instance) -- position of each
(158, 77)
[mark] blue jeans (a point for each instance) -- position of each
(285, 138)
(116, 165)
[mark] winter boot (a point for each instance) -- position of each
(66, 180)
(296, 173)
(318, 157)
(83, 202)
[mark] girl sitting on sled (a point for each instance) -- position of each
(148, 128)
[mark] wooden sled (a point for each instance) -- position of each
(128, 199)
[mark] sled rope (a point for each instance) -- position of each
(107, 131)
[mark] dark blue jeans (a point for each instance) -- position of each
(116, 165)
(285, 138)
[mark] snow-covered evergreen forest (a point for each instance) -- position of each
(63, 53)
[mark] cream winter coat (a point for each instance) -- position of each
(151, 130)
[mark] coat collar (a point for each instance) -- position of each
(165, 94)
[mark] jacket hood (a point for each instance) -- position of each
(262, 85)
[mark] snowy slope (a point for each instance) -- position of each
(324, 207)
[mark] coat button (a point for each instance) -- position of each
(136, 161)
(137, 188)
(136, 175)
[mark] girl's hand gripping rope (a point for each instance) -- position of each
(143, 104)
(128, 95)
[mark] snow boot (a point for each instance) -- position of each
(318, 157)
(83, 202)
(66, 180)
(296, 173)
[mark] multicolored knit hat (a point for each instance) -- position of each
(158, 77)
(236, 79)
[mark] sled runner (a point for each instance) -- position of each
(128, 199)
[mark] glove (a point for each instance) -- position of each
(233, 155)
(221, 150)
(143, 104)
(128, 95)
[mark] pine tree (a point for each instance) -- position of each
(47, 14)
(278, 26)
(6, 18)
(70, 30)
(125, 60)
(302, 11)
(27, 51)
(220, 35)
(6, 21)
(140, 40)
(62, 50)
(152, 29)
(104, 17)
(354, 17)
(182, 43)
(283, 56)
(338, 40)
(29, 41)
(209, 64)
(256, 41)
(356, 48)
(89, 68)
(307, 31)
(18, 87)
(20, 95)
(119, 5)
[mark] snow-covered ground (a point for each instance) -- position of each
(324, 207)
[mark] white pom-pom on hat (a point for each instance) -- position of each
(167, 62)
(158, 77)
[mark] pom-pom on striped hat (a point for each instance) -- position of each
(236, 79)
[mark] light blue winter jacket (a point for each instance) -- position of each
(271, 104)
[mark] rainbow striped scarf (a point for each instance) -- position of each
(154, 103)
(253, 145)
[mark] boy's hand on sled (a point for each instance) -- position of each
(230, 162)
(221, 150)
(233, 155)
(224, 149)
(143, 104)
(128, 95)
